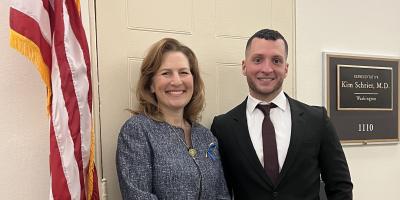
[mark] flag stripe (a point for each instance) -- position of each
(79, 33)
(48, 7)
(32, 34)
(61, 37)
(81, 85)
(58, 180)
(35, 10)
(63, 135)
(77, 28)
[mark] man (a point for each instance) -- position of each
(278, 152)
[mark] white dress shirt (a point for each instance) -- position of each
(281, 119)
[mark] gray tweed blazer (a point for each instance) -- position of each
(153, 162)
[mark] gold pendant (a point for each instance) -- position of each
(192, 152)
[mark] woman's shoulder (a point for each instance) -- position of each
(139, 119)
(137, 122)
(199, 128)
(138, 128)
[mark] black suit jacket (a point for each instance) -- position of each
(314, 150)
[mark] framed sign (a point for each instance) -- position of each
(361, 96)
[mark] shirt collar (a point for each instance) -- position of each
(280, 101)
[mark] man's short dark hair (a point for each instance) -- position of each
(267, 34)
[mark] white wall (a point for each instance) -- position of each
(353, 26)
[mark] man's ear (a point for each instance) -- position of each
(286, 69)
(243, 68)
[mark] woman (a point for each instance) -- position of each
(163, 153)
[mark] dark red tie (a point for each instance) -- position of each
(271, 164)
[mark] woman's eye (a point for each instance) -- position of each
(165, 73)
(185, 72)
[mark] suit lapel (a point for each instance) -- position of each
(297, 132)
(241, 132)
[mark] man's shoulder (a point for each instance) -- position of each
(236, 111)
(304, 107)
(223, 121)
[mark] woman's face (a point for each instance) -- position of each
(173, 82)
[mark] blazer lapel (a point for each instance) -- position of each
(297, 132)
(244, 142)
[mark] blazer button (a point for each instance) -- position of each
(275, 195)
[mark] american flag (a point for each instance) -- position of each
(50, 33)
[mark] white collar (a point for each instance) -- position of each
(280, 100)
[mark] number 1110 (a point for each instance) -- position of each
(365, 127)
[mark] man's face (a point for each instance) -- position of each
(265, 68)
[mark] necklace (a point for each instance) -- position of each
(191, 151)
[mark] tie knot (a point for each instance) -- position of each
(266, 108)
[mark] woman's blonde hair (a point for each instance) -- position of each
(152, 61)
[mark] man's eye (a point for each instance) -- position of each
(257, 60)
(276, 61)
